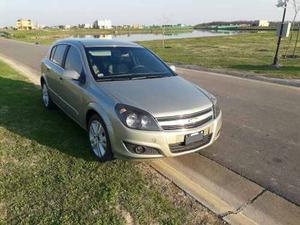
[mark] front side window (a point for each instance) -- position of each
(59, 53)
(73, 60)
(52, 53)
(125, 62)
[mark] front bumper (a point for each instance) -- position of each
(160, 140)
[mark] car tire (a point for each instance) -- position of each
(46, 99)
(99, 139)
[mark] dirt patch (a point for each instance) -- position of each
(125, 214)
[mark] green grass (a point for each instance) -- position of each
(48, 175)
(244, 52)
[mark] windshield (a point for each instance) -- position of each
(112, 63)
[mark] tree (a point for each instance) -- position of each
(296, 8)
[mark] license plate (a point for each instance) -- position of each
(195, 137)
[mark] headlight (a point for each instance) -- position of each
(135, 118)
(216, 106)
(214, 101)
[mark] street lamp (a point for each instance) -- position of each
(281, 3)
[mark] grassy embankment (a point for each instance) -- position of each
(244, 52)
(50, 35)
(48, 176)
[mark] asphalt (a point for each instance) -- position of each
(260, 138)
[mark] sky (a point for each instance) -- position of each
(74, 12)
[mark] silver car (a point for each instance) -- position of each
(131, 103)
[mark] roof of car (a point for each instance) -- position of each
(93, 42)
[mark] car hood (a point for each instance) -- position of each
(161, 97)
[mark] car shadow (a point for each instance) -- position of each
(22, 112)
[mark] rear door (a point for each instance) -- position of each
(55, 73)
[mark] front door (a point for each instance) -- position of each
(72, 91)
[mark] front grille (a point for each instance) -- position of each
(181, 147)
(186, 121)
(188, 126)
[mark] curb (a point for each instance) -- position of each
(232, 197)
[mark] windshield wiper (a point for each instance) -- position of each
(148, 77)
(139, 76)
(114, 78)
(133, 76)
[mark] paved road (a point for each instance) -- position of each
(260, 139)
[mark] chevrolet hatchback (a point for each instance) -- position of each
(132, 104)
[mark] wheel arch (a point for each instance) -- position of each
(43, 80)
(96, 109)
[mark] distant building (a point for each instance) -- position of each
(102, 24)
(67, 27)
(181, 25)
(85, 26)
(262, 23)
(24, 24)
(63, 27)
(126, 26)
(137, 26)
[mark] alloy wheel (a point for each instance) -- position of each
(98, 138)
(45, 95)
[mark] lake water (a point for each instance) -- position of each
(151, 37)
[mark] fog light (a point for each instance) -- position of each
(139, 149)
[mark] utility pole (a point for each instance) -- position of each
(284, 5)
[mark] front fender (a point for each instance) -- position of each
(100, 110)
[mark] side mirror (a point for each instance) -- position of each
(173, 68)
(71, 75)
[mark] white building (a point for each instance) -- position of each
(67, 27)
(85, 26)
(263, 23)
(102, 24)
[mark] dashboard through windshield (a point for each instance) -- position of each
(125, 63)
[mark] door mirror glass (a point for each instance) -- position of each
(71, 75)
(173, 68)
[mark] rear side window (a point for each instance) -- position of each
(73, 60)
(59, 53)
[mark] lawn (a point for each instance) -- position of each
(245, 53)
(48, 175)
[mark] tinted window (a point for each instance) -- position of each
(73, 60)
(113, 61)
(59, 54)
